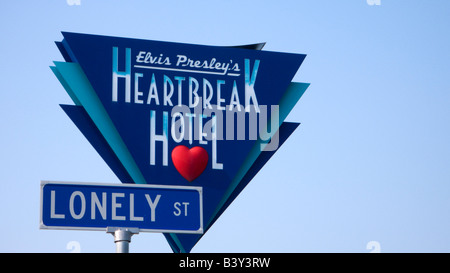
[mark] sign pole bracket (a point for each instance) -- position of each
(122, 237)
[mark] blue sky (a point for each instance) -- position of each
(369, 162)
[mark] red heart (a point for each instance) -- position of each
(190, 163)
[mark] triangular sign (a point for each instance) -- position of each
(180, 114)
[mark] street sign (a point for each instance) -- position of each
(95, 206)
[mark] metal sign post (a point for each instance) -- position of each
(122, 237)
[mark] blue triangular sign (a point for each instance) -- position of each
(180, 114)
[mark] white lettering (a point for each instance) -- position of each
(249, 85)
(154, 137)
(177, 205)
(177, 211)
(177, 127)
(71, 205)
(52, 207)
(100, 206)
(132, 217)
(121, 74)
(140, 56)
(207, 98)
(153, 92)
(153, 205)
(116, 205)
(137, 94)
(193, 91)
(215, 164)
(167, 97)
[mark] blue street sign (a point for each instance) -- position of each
(95, 206)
